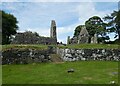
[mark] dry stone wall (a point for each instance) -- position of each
(89, 54)
(25, 56)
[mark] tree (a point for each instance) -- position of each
(77, 30)
(96, 25)
(0, 27)
(113, 23)
(9, 27)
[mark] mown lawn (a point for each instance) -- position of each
(86, 72)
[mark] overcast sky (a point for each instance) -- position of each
(37, 16)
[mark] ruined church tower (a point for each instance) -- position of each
(53, 30)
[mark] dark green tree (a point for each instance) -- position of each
(9, 27)
(113, 23)
(77, 30)
(96, 25)
(0, 27)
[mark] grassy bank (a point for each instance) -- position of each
(92, 46)
(86, 72)
(27, 46)
(73, 46)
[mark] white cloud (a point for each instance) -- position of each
(36, 17)
(9, 0)
(87, 10)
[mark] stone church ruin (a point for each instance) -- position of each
(82, 38)
(33, 38)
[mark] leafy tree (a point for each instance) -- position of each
(9, 27)
(77, 30)
(113, 23)
(0, 27)
(96, 25)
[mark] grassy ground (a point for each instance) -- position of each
(28, 46)
(92, 46)
(74, 46)
(86, 72)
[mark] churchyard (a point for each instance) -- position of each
(33, 59)
(56, 72)
(85, 72)
(88, 57)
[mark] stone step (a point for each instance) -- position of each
(55, 58)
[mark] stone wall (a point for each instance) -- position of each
(31, 38)
(89, 54)
(25, 56)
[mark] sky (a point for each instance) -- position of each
(36, 16)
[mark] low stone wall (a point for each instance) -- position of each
(89, 54)
(25, 56)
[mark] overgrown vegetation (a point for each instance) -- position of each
(85, 72)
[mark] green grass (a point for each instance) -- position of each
(27, 46)
(0, 74)
(86, 72)
(92, 46)
(73, 46)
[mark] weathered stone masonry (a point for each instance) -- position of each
(25, 56)
(89, 54)
(26, 38)
(30, 38)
